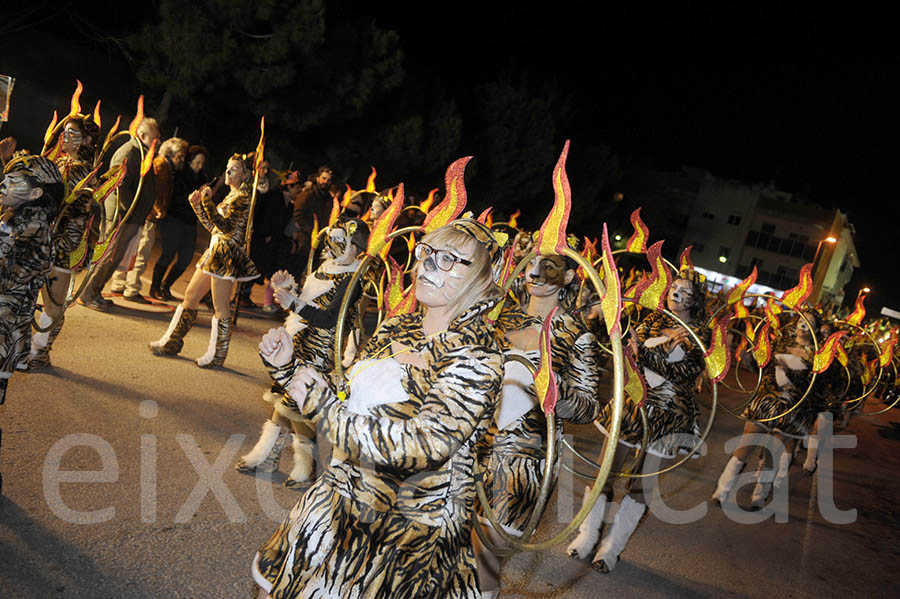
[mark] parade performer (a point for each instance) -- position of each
(784, 381)
(515, 447)
(311, 324)
(220, 267)
(30, 194)
(80, 135)
(391, 516)
(671, 363)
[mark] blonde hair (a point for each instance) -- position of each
(478, 283)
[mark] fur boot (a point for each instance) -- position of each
(264, 455)
(173, 339)
(219, 338)
(615, 539)
(304, 461)
(589, 531)
(727, 480)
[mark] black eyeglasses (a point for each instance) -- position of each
(443, 258)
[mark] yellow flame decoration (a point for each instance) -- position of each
(384, 224)
(635, 386)
(545, 378)
(762, 351)
(138, 117)
(147, 162)
(795, 297)
(75, 105)
(454, 201)
(552, 234)
(114, 179)
(97, 115)
(823, 358)
(611, 302)
(49, 133)
(859, 312)
(314, 236)
(514, 219)
(637, 243)
(718, 358)
(370, 182)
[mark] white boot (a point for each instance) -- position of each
(784, 468)
(304, 461)
(589, 530)
(762, 488)
(727, 480)
(264, 455)
(615, 539)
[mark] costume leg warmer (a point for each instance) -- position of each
(727, 480)
(219, 338)
(39, 357)
(784, 468)
(589, 531)
(264, 455)
(304, 461)
(615, 539)
(762, 488)
(173, 340)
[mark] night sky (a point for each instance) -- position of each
(804, 100)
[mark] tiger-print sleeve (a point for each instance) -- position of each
(684, 371)
(579, 382)
(467, 382)
(232, 211)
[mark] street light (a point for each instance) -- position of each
(817, 279)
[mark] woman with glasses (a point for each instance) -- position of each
(391, 515)
(219, 269)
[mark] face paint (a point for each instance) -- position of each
(545, 276)
(436, 287)
(681, 296)
(234, 174)
(337, 242)
(15, 189)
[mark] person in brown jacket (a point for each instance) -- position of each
(170, 158)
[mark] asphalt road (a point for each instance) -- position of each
(149, 433)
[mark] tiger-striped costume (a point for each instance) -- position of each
(75, 216)
(391, 516)
(26, 255)
(672, 412)
(774, 398)
(313, 329)
(226, 257)
(516, 454)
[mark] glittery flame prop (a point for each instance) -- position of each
(314, 236)
(736, 295)
(739, 351)
(651, 292)
(717, 357)
(887, 349)
(370, 182)
(794, 298)
(113, 180)
(762, 351)
(482, 218)
(348, 195)
(78, 255)
(635, 386)
(545, 378)
(590, 254)
(384, 224)
(773, 309)
(859, 312)
(48, 135)
(104, 247)
(261, 146)
(147, 162)
(454, 201)
(75, 104)
(685, 262)
(514, 219)
(335, 212)
(97, 114)
(80, 186)
(749, 331)
(869, 371)
(551, 238)
(505, 271)
(426, 205)
(611, 303)
(112, 132)
(827, 351)
(398, 302)
(841, 354)
(637, 243)
(138, 117)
